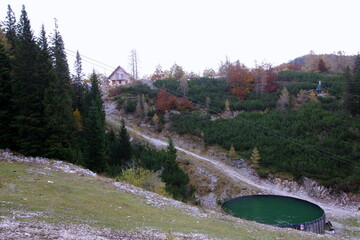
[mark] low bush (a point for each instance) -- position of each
(143, 178)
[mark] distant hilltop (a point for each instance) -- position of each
(336, 62)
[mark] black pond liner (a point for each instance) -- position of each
(315, 225)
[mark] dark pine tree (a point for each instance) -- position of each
(348, 85)
(45, 71)
(125, 148)
(171, 150)
(60, 123)
(27, 92)
(355, 88)
(94, 142)
(120, 148)
(352, 88)
(10, 29)
(175, 178)
(322, 66)
(45, 67)
(5, 100)
(113, 147)
(78, 85)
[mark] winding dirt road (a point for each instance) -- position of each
(335, 212)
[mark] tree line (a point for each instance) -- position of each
(36, 91)
(46, 111)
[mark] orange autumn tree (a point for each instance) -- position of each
(158, 73)
(165, 101)
(271, 80)
(240, 79)
(183, 104)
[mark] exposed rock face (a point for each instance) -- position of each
(317, 191)
(208, 201)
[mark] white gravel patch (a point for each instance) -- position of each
(159, 201)
(11, 229)
(66, 167)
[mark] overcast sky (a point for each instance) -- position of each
(196, 34)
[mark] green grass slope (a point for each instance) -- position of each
(53, 198)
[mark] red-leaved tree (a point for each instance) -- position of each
(183, 104)
(270, 80)
(165, 101)
(240, 79)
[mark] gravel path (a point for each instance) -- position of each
(265, 187)
(336, 211)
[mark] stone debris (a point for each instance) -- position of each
(11, 229)
(8, 156)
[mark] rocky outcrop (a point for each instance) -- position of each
(315, 190)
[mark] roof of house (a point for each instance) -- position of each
(117, 70)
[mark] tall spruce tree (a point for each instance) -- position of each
(348, 85)
(94, 143)
(125, 147)
(10, 29)
(354, 89)
(78, 85)
(46, 70)
(5, 99)
(175, 178)
(60, 123)
(121, 151)
(27, 92)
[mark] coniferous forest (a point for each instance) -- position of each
(46, 111)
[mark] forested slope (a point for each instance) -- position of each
(296, 129)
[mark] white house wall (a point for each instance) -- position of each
(116, 81)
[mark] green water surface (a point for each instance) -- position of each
(272, 209)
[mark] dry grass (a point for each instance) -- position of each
(54, 197)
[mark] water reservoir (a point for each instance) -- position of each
(279, 211)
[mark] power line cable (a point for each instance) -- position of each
(82, 55)
(71, 54)
(263, 128)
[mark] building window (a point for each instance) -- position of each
(120, 76)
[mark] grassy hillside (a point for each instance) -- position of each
(42, 199)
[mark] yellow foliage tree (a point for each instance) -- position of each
(227, 105)
(155, 119)
(78, 119)
(3, 40)
(255, 157)
(284, 99)
(232, 152)
(313, 97)
(145, 179)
